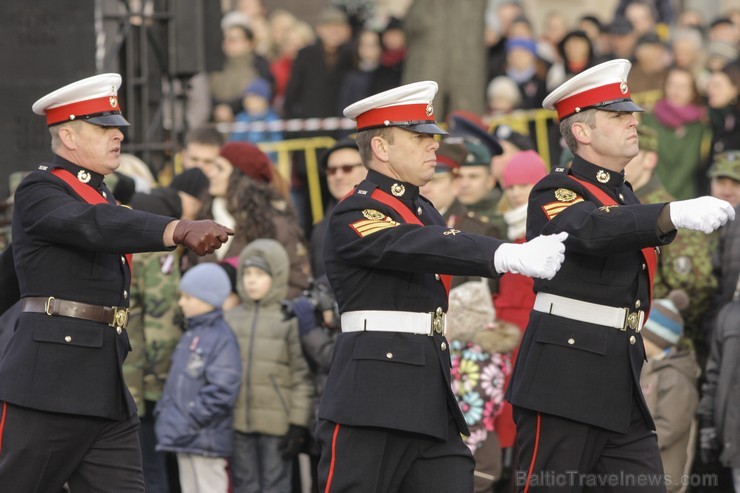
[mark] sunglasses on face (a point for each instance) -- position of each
(346, 168)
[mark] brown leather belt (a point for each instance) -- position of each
(111, 315)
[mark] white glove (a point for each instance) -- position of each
(540, 257)
(703, 214)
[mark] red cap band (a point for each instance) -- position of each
(405, 112)
(448, 162)
(82, 108)
(585, 99)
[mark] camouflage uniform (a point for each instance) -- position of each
(684, 264)
(154, 324)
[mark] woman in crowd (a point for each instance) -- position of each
(683, 135)
(242, 195)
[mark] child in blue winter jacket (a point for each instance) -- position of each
(194, 417)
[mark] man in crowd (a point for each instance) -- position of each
(687, 262)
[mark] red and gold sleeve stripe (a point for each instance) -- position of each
(554, 208)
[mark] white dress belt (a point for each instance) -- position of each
(592, 313)
(394, 321)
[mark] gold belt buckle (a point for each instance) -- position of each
(633, 320)
(120, 318)
(438, 323)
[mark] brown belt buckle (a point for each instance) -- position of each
(47, 305)
(120, 318)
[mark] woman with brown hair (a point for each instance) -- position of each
(244, 193)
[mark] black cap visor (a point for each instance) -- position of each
(107, 120)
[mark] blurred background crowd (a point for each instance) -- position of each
(259, 143)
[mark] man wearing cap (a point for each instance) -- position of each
(388, 420)
(580, 414)
(65, 413)
(478, 185)
(343, 167)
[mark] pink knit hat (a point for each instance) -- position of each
(524, 168)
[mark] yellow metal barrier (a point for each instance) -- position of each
(310, 149)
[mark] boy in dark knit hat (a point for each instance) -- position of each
(668, 381)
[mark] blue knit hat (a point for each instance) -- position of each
(260, 87)
(208, 282)
(664, 327)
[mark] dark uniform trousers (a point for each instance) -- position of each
(91, 454)
(608, 461)
(391, 461)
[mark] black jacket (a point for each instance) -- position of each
(71, 250)
(376, 261)
(594, 378)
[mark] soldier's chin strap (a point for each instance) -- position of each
(651, 259)
(410, 218)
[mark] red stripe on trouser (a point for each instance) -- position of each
(2, 424)
(534, 453)
(333, 458)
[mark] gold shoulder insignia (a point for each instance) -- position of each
(373, 214)
(554, 208)
(607, 208)
(565, 195)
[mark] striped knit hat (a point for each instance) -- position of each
(665, 325)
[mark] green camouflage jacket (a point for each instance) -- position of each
(154, 324)
(684, 264)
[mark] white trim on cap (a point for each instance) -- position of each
(600, 75)
(97, 86)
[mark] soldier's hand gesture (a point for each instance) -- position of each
(541, 257)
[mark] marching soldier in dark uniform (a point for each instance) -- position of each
(580, 414)
(388, 419)
(65, 412)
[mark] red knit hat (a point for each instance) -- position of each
(248, 159)
(524, 168)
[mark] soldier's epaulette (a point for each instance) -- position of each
(365, 188)
(46, 167)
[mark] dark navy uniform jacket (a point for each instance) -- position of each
(69, 249)
(583, 371)
(375, 261)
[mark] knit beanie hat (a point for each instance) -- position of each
(207, 282)
(248, 159)
(191, 181)
(259, 262)
(260, 87)
(524, 168)
(470, 308)
(664, 327)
